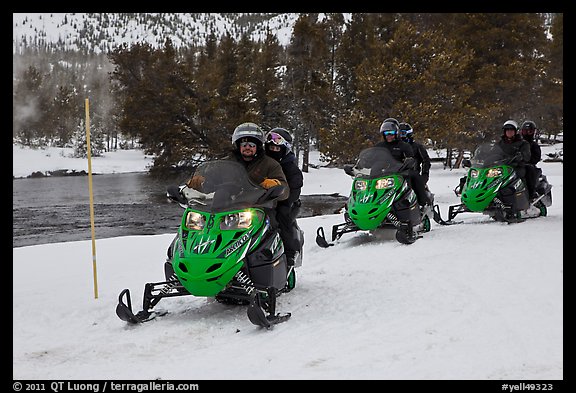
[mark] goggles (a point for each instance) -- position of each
(247, 144)
(389, 132)
(528, 131)
(277, 139)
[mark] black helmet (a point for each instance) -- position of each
(529, 129)
(389, 126)
(529, 125)
(250, 131)
(405, 131)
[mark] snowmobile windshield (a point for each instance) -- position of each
(225, 186)
(489, 155)
(376, 162)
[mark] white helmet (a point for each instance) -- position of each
(510, 124)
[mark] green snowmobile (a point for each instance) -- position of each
(381, 197)
(492, 187)
(225, 248)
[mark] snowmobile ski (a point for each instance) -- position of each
(439, 220)
(258, 307)
(125, 313)
(321, 238)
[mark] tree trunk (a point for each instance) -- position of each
(459, 159)
(306, 151)
(448, 161)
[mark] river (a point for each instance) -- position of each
(57, 209)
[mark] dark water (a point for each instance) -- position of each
(57, 209)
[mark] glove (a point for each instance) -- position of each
(409, 163)
(269, 183)
(196, 182)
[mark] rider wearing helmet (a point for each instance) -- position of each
(248, 149)
(423, 162)
(513, 145)
(278, 145)
(401, 151)
(529, 133)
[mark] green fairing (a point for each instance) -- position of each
(479, 191)
(368, 207)
(206, 260)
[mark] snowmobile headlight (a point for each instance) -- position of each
(360, 185)
(473, 173)
(195, 221)
(494, 172)
(240, 220)
(387, 182)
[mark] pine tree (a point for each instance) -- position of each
(308, 81)
(268, 90)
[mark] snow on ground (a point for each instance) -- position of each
(26, 161)
(477, 301)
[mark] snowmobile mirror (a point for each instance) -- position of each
(349, 170)
(466, 163)
(173, 193)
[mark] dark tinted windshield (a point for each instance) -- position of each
(377, 162)
(226, 186)
(488, 155)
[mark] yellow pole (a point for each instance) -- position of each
(89, 150)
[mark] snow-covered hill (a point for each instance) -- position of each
(101, 32)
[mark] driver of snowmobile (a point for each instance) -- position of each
(513, 145)
(248, 149)
(402, 151)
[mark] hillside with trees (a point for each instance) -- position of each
(454, 77)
